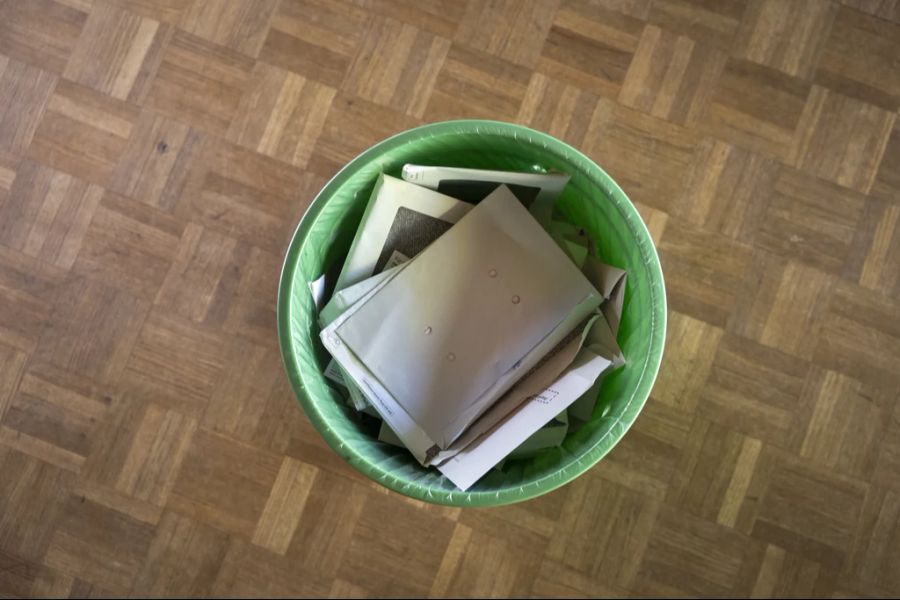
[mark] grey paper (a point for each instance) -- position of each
(464, 320)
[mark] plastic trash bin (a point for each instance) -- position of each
(591, 200)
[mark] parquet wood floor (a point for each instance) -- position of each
(156, 154)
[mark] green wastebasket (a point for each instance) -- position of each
(591, 200)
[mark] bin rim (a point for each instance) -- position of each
(599, 447)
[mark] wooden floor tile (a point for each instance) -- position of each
(847, 423)
(47, 214)
(712, 479)
(889, 453)
(93, 329)
(860, 59)
(224, 483)
(843, 139)
(83, 132)
(184, 558)
(602, 532)
(476, 84)
(646, 460)
(788, 36)
(810, 219)
(235, 24)
(708, 272)
(590, 47)
(28, 291)
(877, 541)
(54, 413)
(512, 30)
(757, 108)
(128, 244)
(150, 443)
(782, 304)
(34, 493)
(691, 556)
(728, 190)
(756, 390)
(808, 511)
(41, 33)
(250, 571)
(373, 553)
(659, 152)
(679, 385)
(352, 125)
(716, 22)
(377, 75)
(671, 76)
(859, 335)
(787, 574)
(281, 115)
(153, 167)
(112, 64)
(185, 383)
(887, 180)
(248, 196)
(561, 110)
(314, 38)
(200, 83)
(28, 89)
(99, 545)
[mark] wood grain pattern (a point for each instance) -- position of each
(561, 110)
(844, 139)
(727, 189)
(27, 291)
(377, 75)
(41, 33)
(860, 59)
(83, 132)
(671, 76)
(155, 156)
(111, 64)
(758, 108)
(47, 214)
(26, 90)
(590, 47)
(662, 151)
(508, 29)
(477, 84)
(714, 22)
(315, 38)
(282, 116)
(235, 24)
(200, 83)
(788, 36)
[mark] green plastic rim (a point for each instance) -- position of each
(591, 200)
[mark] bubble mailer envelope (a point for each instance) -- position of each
(435, 345)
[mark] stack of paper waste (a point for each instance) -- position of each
(470, 319)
